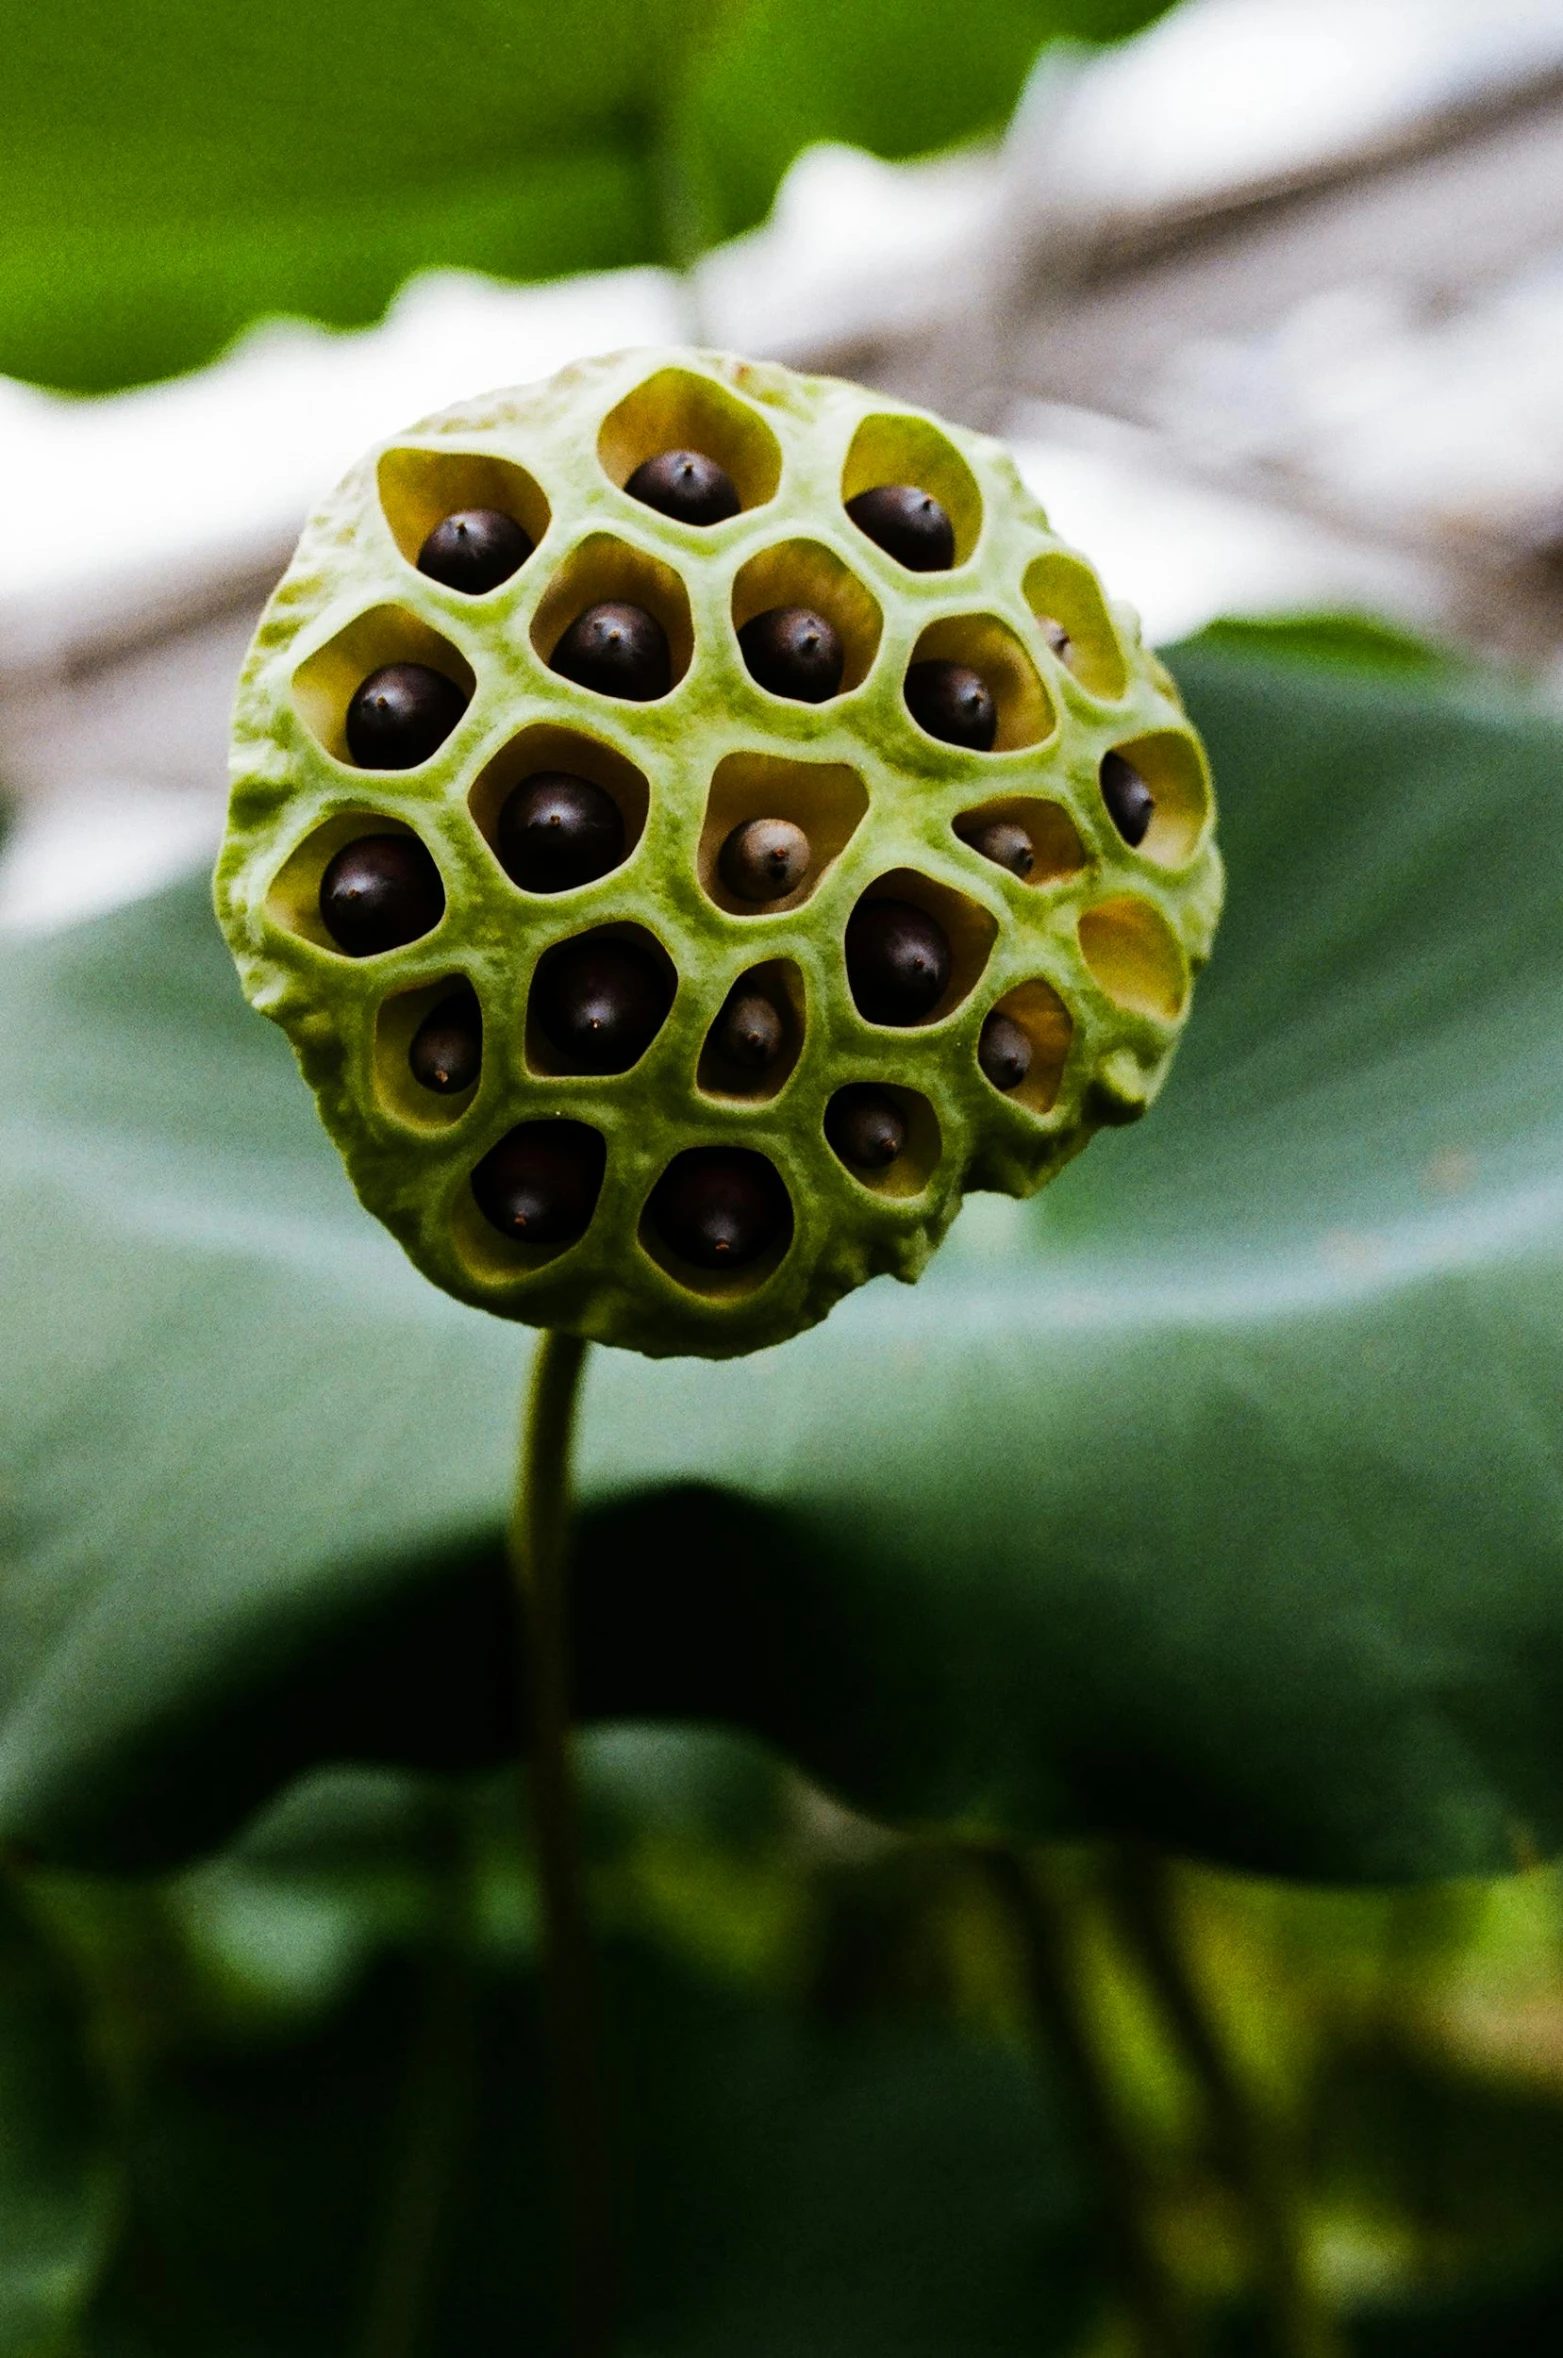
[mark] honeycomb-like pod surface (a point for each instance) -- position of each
(656, 1104)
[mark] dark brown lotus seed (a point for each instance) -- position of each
(764, 860)
(1004, 1051)
(898, 961)
(556, 831)
(749, 1032)
(446, 1053)
(601, 1001)
(379, 892)
(1130, 802)
(475, 550)
(953, 703)
(618, 649)
(540, 1184)
(1003, 841)
(400, 715)
(865, 1126)
(685, 485)
(908, 524)
(719, 1207)
(793, 652)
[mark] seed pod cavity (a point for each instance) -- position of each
(556, 831)
(1024, 1045)
(775, 825)
(474, 550)
(540, 1184)
(793, 651)
(719, 1209)
(976, 683)
(887, 1138)
(617, 649)
(765, 859)
(1130, 803)
(1003, 1051)
(680, 413)
(597, 1003)
(685, 486)
(1003, 841)
(401, 715)
(445, 1054)
(380, 892)
(954, 703)
(757, 1035)
(908, 524)
(1031, 837)
(898, 961)
(866, 1126)
(1074, 624)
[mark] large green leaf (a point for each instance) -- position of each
(898, 76)
(1215, 1494)
(171, 171)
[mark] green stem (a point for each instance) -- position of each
(1163, 2327)
(538, 1546)
(1145, 1900)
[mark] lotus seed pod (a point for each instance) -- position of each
(655, 1001)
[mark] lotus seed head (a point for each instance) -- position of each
(694, 821)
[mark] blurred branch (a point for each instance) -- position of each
(1144, 1896)
(1163, 2325)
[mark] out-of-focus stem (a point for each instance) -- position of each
(1163, 2326)
(1145, 1900)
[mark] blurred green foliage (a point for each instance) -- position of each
(289, 2103)
(322, 2054)
(171, 171)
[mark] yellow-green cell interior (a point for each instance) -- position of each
(1092, 953)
